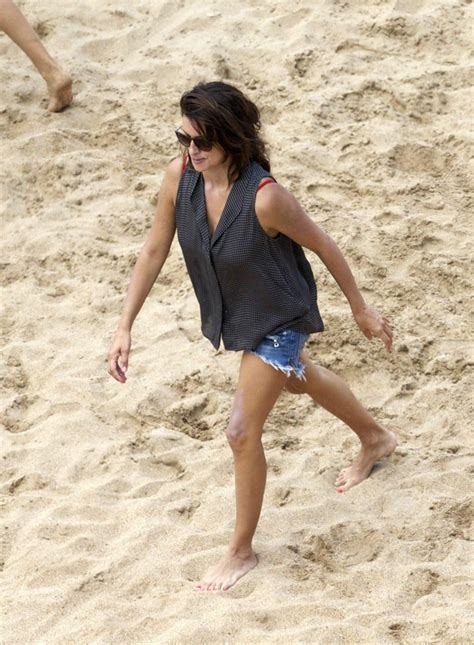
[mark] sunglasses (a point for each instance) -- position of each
(200, 142)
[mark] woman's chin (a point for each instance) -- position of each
(198, 164)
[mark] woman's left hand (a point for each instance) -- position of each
(374, 325)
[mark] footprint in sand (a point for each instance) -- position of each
(417, 158)
(29, 482)
(301, 63)
(161, 469)
(182, 510)
(420, 582)
(147, 490)
(15, 382)
(457, 517)
(343, 545)
(14, 415)
(191, 416)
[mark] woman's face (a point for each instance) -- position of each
(201, 160)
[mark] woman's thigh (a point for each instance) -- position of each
(311, 377)
(258, 388)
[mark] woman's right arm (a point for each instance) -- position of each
(147, 268)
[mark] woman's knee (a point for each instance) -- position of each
(239, 434)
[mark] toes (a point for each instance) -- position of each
(214, 586)
(345, 486)
(203, 586)
(348, 484)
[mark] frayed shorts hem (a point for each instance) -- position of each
(287, 369)
(282, 351)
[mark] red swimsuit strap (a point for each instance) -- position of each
(268, 180)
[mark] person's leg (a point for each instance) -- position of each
(333, 393)
(15, 25)
(258, 388)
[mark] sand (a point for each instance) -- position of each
(115, 499)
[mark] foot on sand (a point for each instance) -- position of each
(230, 569)
(369, 454)
(59, 90)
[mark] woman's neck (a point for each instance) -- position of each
(217, 177)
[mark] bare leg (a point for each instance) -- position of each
(258, 388)
(15, 25)
(333, 393)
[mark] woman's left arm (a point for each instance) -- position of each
(278, 210)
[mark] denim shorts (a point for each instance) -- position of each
(282, 351)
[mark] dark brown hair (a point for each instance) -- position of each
(225, 116)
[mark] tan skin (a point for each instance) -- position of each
(259, 385)
(59, 84)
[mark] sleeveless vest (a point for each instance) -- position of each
(247, 284)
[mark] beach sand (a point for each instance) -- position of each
(116, 499)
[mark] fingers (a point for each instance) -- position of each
(118, 355)
(374, 325)
(384, 333)
(388, 332)
(115, 369)
(387, 336)
(123, 361)
(387, 340)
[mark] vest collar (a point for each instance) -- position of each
(232, 208)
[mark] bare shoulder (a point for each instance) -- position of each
(174, 167)
(172, 176)
(273, 206)
(277, 209)
(174, 170)
(270, 196)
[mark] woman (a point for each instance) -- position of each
(241, 235)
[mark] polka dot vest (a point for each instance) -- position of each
(247, 283)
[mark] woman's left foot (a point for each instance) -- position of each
(225, 574)
(369, 454)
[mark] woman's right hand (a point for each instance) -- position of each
(118, 355)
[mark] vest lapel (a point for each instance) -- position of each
(199, 207)
(233, 205)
